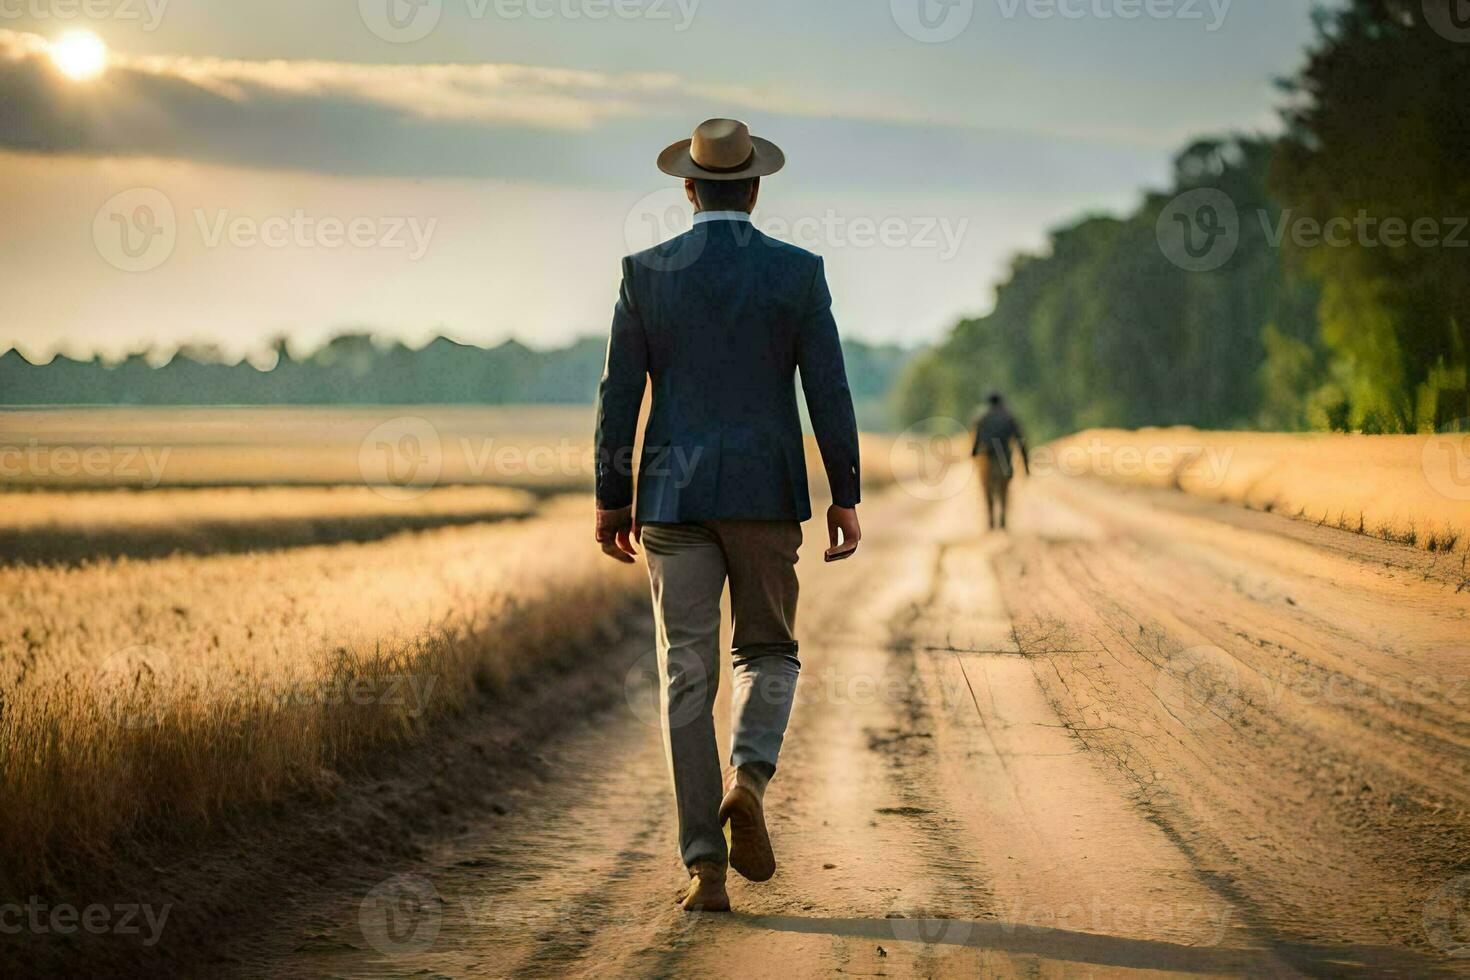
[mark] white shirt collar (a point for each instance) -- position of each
(703, 216)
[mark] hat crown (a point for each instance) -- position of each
(721, 144)
(721, 149)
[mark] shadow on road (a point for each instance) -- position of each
(1116, 951)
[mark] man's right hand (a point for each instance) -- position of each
(845, 521)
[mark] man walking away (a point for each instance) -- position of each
(720, 319)
(996, 434)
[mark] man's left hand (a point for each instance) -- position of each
(616, 532)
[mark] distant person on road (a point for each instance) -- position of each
(997, 436)
(720, 319)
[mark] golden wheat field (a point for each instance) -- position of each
(177, 688)
(158, 511)
(211, 609)
(49, 526)
(543, 447)
(1414, 490)
(172, 650)
(400, 451)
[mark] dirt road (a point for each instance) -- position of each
(1141, 734)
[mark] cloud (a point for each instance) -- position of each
(508, 121)
(448, 120)
(553, 98)
(309, 114)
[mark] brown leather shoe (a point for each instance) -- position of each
(706, 888)
(750, 845)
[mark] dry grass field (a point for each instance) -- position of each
(209, 610)
(52, 526)
(183, 659)
(546, 448)
(144, 695)
(154, 513)
(401, 451)
(213, 609)
(1413, 490)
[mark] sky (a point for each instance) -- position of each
(233, 172)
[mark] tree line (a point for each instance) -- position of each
(356, 368)
(1319, 279)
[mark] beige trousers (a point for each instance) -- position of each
(688, 566)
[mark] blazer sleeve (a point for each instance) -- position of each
(619, 398)
(828, 399)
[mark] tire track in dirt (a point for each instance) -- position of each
(860, 867)
(526, 894)
(582, 877)
(1059, 836)
(960, 794)
(1325, 820)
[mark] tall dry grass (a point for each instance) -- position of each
(139, 699)
(546, 448)
(48, 527)
(1414, 490)
(155, 512)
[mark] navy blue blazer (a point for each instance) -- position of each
(721, 318)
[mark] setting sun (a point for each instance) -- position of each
(80, 55)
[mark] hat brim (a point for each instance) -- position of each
(765, 159)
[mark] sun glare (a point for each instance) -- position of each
(80, 55)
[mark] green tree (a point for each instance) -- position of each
(1104, 329)
(1378, 135)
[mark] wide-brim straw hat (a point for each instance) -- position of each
(722, 149)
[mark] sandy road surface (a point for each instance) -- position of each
(1141, 734)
